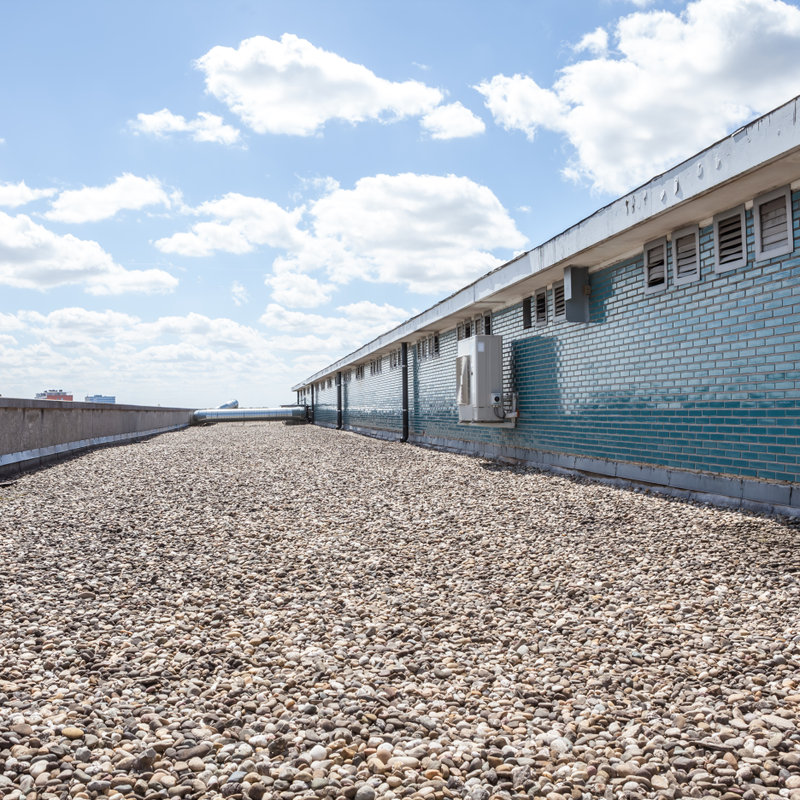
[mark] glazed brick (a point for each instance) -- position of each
(703, 376)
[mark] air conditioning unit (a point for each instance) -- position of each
(479, 379)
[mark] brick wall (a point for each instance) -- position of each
(703, 376)
(375, 401)
(325, 407)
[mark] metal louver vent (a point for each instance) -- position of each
(526, 312)
(656, 264)
(774, 225)
(559, 304)
(686, 256)
(541, 308)
(730, 242)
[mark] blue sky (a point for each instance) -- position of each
(206, 200)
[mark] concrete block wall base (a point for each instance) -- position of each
(375, 433)
(761, 497)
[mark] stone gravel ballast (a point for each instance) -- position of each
(263, 611)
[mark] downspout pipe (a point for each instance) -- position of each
(338, 401)
(404, 371)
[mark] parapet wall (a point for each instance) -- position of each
(34, 432)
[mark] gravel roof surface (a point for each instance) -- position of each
(265, 611)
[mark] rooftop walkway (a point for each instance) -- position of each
(262, 611)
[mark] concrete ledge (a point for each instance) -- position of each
(728, 491)
(35, 432)
(13, 463)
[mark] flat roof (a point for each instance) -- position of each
(762, 155)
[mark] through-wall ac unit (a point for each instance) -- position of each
(479, 379)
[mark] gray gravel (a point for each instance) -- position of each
(260, 611)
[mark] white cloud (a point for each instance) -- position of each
(241, 224)
(678, 83)
(71, 327)
(94, 203)
(297, 290)
(118, 280)
(519, 103)
(595, 43)
(452, 121)
(292, 87)
(186, 359)
(431, 233)
(10, 322)
(323, 338)
(19, 194)
(204, 127)
(33, 257)
(239, 294)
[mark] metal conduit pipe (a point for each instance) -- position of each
(404, 389)
(338, 400)
(207, 416)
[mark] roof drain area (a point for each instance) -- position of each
(295, 415)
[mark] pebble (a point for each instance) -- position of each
(261, 611)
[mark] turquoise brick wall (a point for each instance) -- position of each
(375, 401)
(325, 412)
(702, 376)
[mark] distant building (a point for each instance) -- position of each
(100, 398)
(54, 394)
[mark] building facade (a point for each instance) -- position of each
(656, 343)
(100, 398)
(54, 394)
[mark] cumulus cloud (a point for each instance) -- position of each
(595, 42)
(241, 224)
(297, 290)
(430, 233)
(20, 194)
(79, 326)
(10, 322)
(289, 86)
(519, 103)
(33, 257)
(239, 294)
(94, 203)
(74, 326)
(189, 359)
(204, 127)
(328, 337)
(675, 83)
(452, 121)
